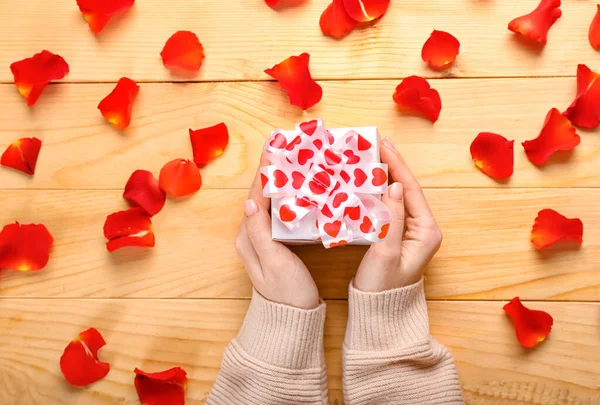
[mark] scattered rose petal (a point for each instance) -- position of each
(585, 110)
(366, 10)
(535, 25)
(532, 326)
(142, 190)
(209, 143)
(493, 154)
(183, 52)
(24, 247)
(415, 96)
(294, 77)
(180, 177)
(79, 362)
(132, 227)
(550, 227)
(117, 106)
(594, 33)
(97, 13)
(440, 50)
(335, 21)
(32, 75)
(558, 134)
(164, 388)
(22, 155)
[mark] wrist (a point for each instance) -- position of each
(282, 335)
(384, 280)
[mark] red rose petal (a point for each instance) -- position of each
(180, 177)
(535, 25)
(494, 155)
(183, 52)
(24, 247)
(585, 110)
(22, 155)
(550, 227)
(335, 21)
(117, 106)
(415, 96)
(142, 190)
(98, 12)
(594, 34)
(532, 326)
(79, 362)
(32, 75)
(440, 50)
(132, 227)
(294, 77)
(164, 388)
(366, 10)
(558, 134)
(209, 143)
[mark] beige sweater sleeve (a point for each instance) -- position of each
(389, 356)
(277, 358)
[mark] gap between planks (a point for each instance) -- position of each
(207, 299)
(500, 186)
(359, 79)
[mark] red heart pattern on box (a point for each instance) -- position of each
(313, 171)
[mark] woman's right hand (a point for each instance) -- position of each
(276, 272)
(413, 237)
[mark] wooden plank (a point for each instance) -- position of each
(159, 334)
(242, 38)
(486, 252)
(82, 151)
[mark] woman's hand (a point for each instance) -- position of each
(413, 238)
(276, 273)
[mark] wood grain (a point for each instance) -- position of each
(159, 334)
(82, 151)
(243, 38)
(486, 252)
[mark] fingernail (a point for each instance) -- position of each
(395, 191)
(388, 142)
(250, 207)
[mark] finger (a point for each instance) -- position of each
(256, 190)
(258, 228)
(414, 199)
(394, 199)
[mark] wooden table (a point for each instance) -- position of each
(180, 303)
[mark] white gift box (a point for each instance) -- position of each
(307, 232)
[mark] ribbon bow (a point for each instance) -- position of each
(337, 178)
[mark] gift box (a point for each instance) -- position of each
(325, 185)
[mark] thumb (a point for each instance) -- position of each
(258, 228)
(394, 199)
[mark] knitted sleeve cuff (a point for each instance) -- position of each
(283, 336)
(386, 320)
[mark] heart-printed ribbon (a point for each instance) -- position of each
(314, 171)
